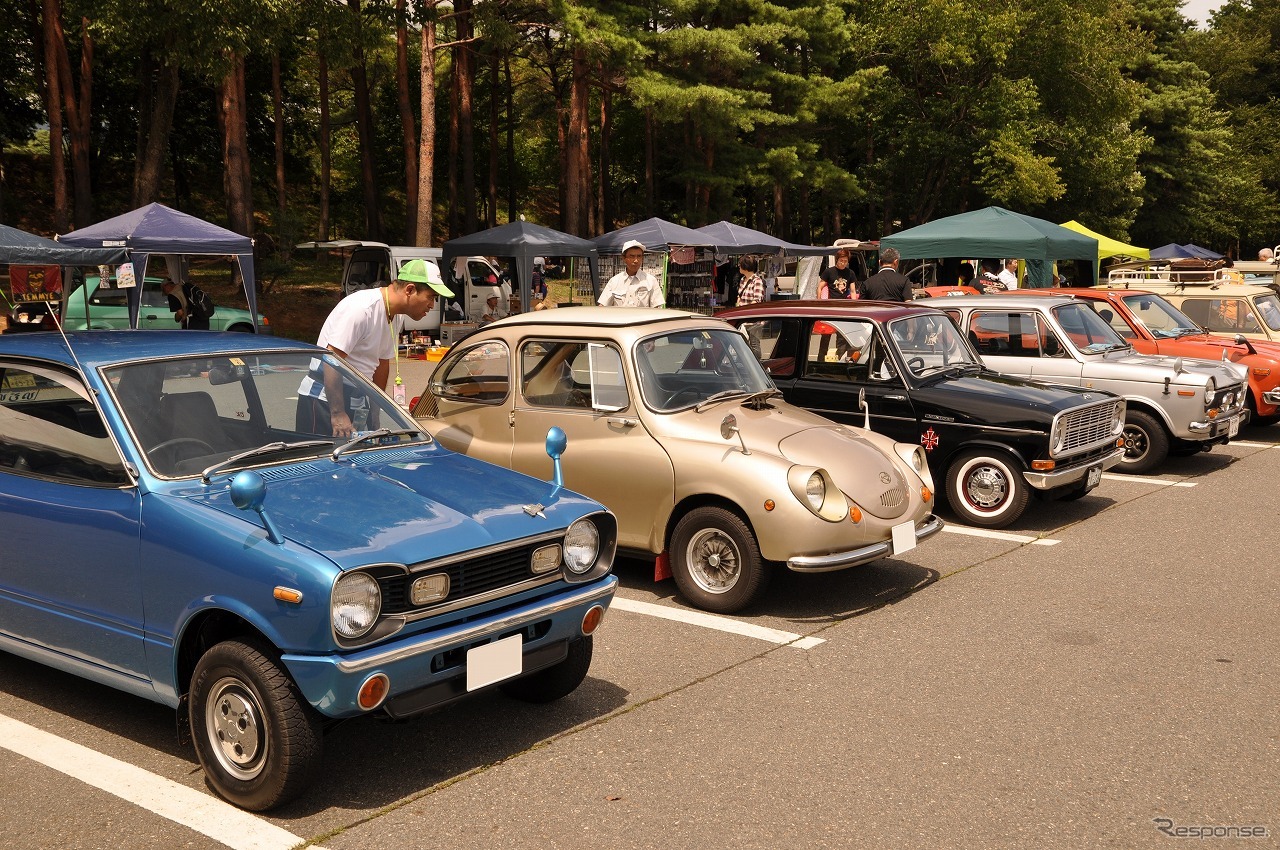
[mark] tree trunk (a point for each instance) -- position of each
(53, 109)
(455, 222)
(235, 149)
(277, 114)
(427, 133)
(578, 176)
(78, 111)
(408, 132)
(649, 205)
(511, 137)
(326, 162)
(158, 98)
(606, 166)
(495, 91)
(364, 128)
(466, 66)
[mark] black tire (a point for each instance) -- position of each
(555, 682)
(1146, 444)
(716, 561)
(258, 740)
(986, 488)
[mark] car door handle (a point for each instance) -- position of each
(623, 421)
(895, 397)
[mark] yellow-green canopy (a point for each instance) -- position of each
(1108, 247)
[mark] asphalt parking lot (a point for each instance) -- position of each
(1104, 673)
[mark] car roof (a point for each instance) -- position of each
(603, 317)
(104, 348)
(1201, 289)
(881, 311)
(1000, 300)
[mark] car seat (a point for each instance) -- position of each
(194, 415)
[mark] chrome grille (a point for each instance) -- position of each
(893, 498)
(467, 577)
(1089, 426)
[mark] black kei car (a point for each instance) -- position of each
(908, 372)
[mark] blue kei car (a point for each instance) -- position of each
(172, 533)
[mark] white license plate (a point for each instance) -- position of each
(1233, 428)
(1094, 477)
(904, 537)
(494, 662)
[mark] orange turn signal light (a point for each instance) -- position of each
(926, 494)
(1186, 393)
(287, 594)
(1043, 465)
(855, 513)
(373, 691)
(769, 505)
(592, 619)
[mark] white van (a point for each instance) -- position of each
(375, 263)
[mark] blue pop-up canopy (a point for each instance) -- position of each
(157, 229)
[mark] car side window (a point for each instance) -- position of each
(50, 429)
(481, 374)
(576, 375)
(1121, 327)
(841, 350)
(779, 344)
(108, 298)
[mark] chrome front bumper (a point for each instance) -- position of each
(1061, 478)
(1272, 396)
(1219, 427)
(840, 560)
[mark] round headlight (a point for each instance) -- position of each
(1117, 418)
(581, 546)
(1210, 387)
(815, 490)
(1059, 434)
(356, 604)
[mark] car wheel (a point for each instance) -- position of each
(258, 740)
(1146, 445)
(716, 562)
(554, 682)
(987, 489)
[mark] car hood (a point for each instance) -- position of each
(401, 506)
(994, 398)
(858, 465)
(1193, 369)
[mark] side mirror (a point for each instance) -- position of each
(248, 492)
(557, 442)
(729, 427)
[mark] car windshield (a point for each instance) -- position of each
(931, 344)
(1160, 317)
(1269, 308)
(190, 414)
(1087, 330)
(679, 370)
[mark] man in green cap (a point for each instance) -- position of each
(360, 331)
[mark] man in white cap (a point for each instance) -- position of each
(633, 286)
(360, 331)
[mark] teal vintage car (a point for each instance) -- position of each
(93, 307)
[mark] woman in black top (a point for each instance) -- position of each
(839, 281)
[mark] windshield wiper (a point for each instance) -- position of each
(761, 396)
(269, 448)
(372, 435)
(720, 396)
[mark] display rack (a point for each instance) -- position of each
(691, 286)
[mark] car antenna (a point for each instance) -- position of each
(57, 323)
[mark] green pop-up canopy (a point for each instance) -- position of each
(992, 232)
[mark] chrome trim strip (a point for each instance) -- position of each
(854, 557)
(481, 628)
(480, 599)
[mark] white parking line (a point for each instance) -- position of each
(720, 624)
(1000, 535)
(1141, 479)
(201, 812)
(1246, 444)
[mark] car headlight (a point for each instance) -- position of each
(355, 605)
(815, 491)
(581, 546)
(1210, 388)
(1058, 436)
(913, 455)
(1117, 419)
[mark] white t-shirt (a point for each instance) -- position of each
(1008, 278)
(623, 290)
(358, 327)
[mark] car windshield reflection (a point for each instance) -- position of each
(190, 414)
(680, 370)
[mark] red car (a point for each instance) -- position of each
(1154, 326)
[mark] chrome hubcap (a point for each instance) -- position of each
(986, 488)
(714, 562)
(233, 723)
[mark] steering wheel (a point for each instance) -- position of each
(171, 445)
(915, 364)
(683, 391)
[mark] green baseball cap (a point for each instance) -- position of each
(420, 271)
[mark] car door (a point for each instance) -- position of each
(471, 396)
(69, 525)
(843, 358)
(154, 309)
(583, 387)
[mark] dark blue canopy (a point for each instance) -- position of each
(729, 238)
(1173, 251)
(1201, 253)
(655, 234)
(157, 229)
(522, 241)
(23, 248)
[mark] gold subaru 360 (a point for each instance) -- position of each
(673, 424)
